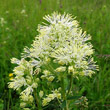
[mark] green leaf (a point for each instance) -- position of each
(63, 105)
(73, 97)
(1, 106)
(78, 101)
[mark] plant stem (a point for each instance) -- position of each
(63, 93)
(36, 100)
(63, 89)
(66, 105)
(70, 87)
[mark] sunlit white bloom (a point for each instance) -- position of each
(23, 11)
(60, 69)
(26, 95)
(27, 91)
(70, 69)
(7, 12)
(2, 22)
(15, 60)
(41, 93)
(51, 78)
(7, 29)
(34, 85)
(17, 83)
(46, 72)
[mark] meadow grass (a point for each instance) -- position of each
(20, 30)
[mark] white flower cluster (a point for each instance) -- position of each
(62, 40)
(61, 47)
(23, 78)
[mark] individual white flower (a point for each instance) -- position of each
(2, 22)
(28, 80)
(60, 69)
(30, 98)
(27, 91)
(37, 71)
(70, 69)
(52, 96)
(51, 78)
(46, 72)
(17, 83)
(15, 60)
(7, 12)
(26, 95)
(46, 101)
(41, 93)
(19, 70)
(22, 105)
(23, 11)
(34, 85)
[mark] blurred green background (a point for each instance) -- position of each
(18, 24)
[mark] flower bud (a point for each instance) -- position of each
(70, 69)
(51, 78)
(37, 80)
(52, 96)
(61, 62)
(47, 60)
(58, 96)
(61, 69)
(30, 98)
(15, 60)
(41, 93)
(34, 85)
(43, 76)
(29, 81)
(37, 71)
(46, 72)
(22, 105)
(26, 109)
(11, 74)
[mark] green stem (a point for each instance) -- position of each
(63, 93)
(37, 101)
(71, 83)
(63, 88)
(8, 99)
(70, 87)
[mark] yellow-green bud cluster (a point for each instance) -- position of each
(51, 97)
(47, 75)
